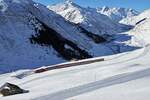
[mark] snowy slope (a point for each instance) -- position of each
(120, 75)
(16, 27)
(141, 33)
(117, 14)
(136, 19)
(22, 22)
(87, 18)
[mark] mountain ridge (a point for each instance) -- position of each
(117, 13)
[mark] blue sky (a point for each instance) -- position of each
(139, 5)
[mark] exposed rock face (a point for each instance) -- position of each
(10, 89)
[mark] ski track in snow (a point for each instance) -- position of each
(114, 80)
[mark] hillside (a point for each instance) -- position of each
(35, 36)
(136, 19)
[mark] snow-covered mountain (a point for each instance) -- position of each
(19, 21)
(87, 18)
(141, 33)
(117, 14)
(32, 35)
(136, 19)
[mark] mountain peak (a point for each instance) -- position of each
(69, 1)
(69, 9)
(105, 8)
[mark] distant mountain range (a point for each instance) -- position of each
(117, 14)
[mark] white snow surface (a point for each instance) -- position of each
(140, 33)
(124, 76)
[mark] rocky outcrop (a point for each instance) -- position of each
(10, 89)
